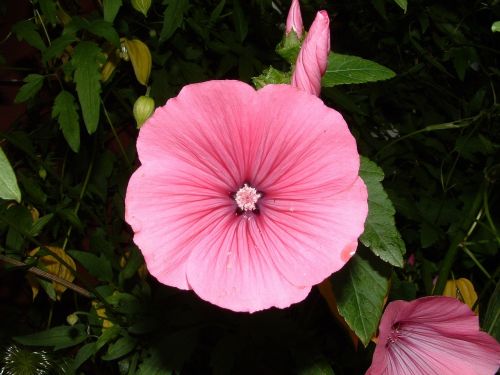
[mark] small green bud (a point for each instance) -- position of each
(42, 173)
(72, 319)
(144, 107)
(142, 6)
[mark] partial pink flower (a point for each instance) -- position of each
(246, 197)
(294, 20)
(313, 56)
(433, 336)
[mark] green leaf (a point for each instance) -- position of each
(495, 27)
(319, 367)
(240, 21)
(28, 31)
(111, 8)
(104, 29)
(64, 110)
(48, 8)
(97, 266)
(85, 352)
(152, 365)
(346, 69)
(86, 59)
(403, 4)
(34, 83)
(381, 234)
(491, 323)
(121, 347)
(173, 17)
(38, 225)
(271, 76)
(57, 47)
(360, 288)
(59, 337)
(9, 189)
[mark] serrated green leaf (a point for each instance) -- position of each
(111, 8)
(346, 69)
(57, 47)
(64, 110)
(173, 17)
(48, 8)
(381, 234)
(97, 266)
(121, 347)
(59, 337)
(34, 83)
(403, 4)
(104, 29)
(9, 189)
(360, 288)
(28, 31)
(86, 59)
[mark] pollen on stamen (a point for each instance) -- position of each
(246, 198)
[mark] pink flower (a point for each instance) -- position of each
(433, 336)
(313, 56)
(246, 197)
(294, 20)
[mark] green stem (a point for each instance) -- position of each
(457, 242)
(122, 150)
(474, 259)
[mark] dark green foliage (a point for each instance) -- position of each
(417, 83)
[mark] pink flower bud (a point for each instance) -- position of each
(313, 56)
(294, 20)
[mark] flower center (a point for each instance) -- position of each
(246, 198)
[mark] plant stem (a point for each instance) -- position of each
(122, 150)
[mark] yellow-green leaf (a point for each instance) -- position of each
(140, 56)
(9, 189)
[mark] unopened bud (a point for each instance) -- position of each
(142, 6)
(144, 107)
(72, 319)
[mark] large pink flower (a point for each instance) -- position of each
(313, 56)
(433, 336)
(247, 197)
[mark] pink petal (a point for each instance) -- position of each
(313, 56)
(437, 335)
(294, 19)
(200, 148)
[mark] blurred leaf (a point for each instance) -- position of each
(48, 8)
(495, 27)
(69, 215)
(381, 234)
(20, 221)
(34, 83)
(64, 110)
(86, 59)
(104, 29)
(140, 56)
(152, 365)
(39, 224)
(57, 47)
(361, 287)
(173, 17)
(111, 8)
(97, 266)
(9, 189)
(240, 21)
(346, 69)
(121, 347)
(491, 323)
(28, 31)
(403, 4)
(319, 367)
(85, 352)
(59, 337)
